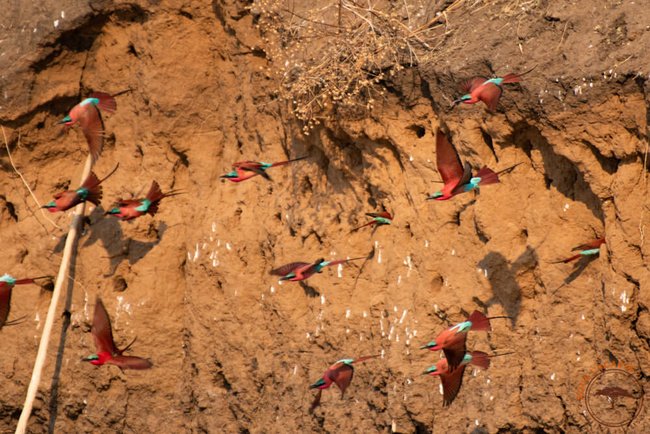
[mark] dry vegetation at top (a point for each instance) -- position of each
(336, 53)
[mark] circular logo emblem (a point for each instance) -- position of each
(614, 397)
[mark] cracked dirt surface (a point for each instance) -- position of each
(233, 350)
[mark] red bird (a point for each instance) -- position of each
(487, 90)
(128, 209)
(296, 271)
(106, 350)
(90, 190)
(378, 219)
(456, 178)
(247, 169)
(6, 285)
(452, 378)
(87, 113)
(590, 248)
(340, 373)
(452, 340)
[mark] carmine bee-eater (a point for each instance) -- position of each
(247, 169)
(456, 178)
(452, 378)
(590, 248)
(87, 113)
(487, 90)
(452, 340)
(6, 285)
(128, 209)
(378, 219)
(296, 271)
(340, 373)
(90, 190)
(107, 352)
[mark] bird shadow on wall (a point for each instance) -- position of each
(503, 279)
(310, 291)
(118, 247)
(578, 268)
(559, 171)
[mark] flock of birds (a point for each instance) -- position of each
(456, 178)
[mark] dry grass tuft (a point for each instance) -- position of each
(337, 53)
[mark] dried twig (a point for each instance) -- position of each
(562, 37)
(11, 160)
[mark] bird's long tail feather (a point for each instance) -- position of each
(173, 193)
(567, 260)
(106, 104)
(482, 360)
(128, 346)
(154, 194)
(488, 176)
(509, 169)
(282, 163)
(361, 359)
(479, 321)
(14, 321)
(112, 172)
(94, 193)
(514, 78)
(595, 244)
(363, 226)
(31, 280)
(121, 92)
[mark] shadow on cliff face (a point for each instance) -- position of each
(559, 171)
(503, 280)
(118, 247)
(578, 268)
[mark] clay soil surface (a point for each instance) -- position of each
(235, 351)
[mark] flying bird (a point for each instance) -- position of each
(6, 285)
(587, 249)
(340, 373)
(378, 219)
(296, 271)
(247, 169)
(107, 352)
(487, 90)
(452, 378)
(456, 178)
(90, 190)
(128, 209)
(452, 340)
(87, 113)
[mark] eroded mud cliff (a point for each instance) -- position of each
(233, 350)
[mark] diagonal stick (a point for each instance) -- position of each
(68, 255)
